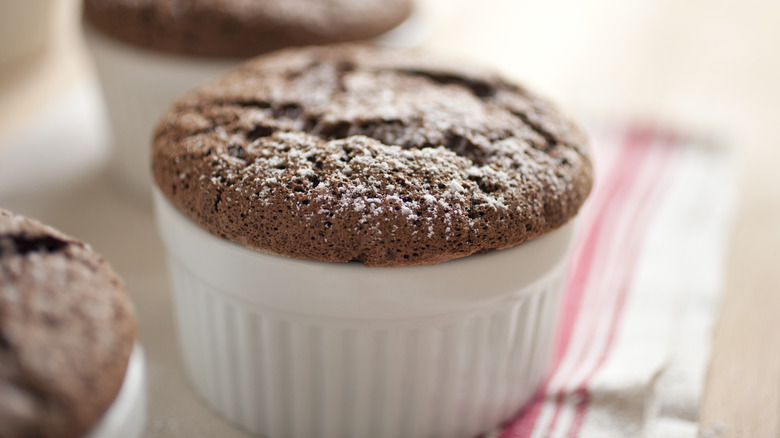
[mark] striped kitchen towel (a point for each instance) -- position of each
(642, 291)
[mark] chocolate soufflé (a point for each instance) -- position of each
(385, 158)
(66, 332)
(242, 28)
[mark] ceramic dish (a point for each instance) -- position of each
(285, 347)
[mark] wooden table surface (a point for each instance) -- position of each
(713, 66)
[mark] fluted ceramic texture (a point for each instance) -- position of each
(284, 375)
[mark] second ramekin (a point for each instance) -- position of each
(138, 86)
(126, 416)
(295, 348)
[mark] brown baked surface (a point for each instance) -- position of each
(242, 28)
(66, 332)
(358, 154)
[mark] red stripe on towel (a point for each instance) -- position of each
(608, 197)
(653, 191)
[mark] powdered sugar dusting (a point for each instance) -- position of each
(371, 154)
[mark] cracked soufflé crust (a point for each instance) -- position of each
(242, 28)
(381, 157)
(66, 332)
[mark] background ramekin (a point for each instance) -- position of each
(138, 86)
(127, 415)
(24, 27)
(295, 348)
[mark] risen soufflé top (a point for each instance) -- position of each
(242, 28)
(381, 157)
(66, 332)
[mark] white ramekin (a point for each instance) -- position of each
(24, 27)
(294, 348)
(127, 415)
(138, 86)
